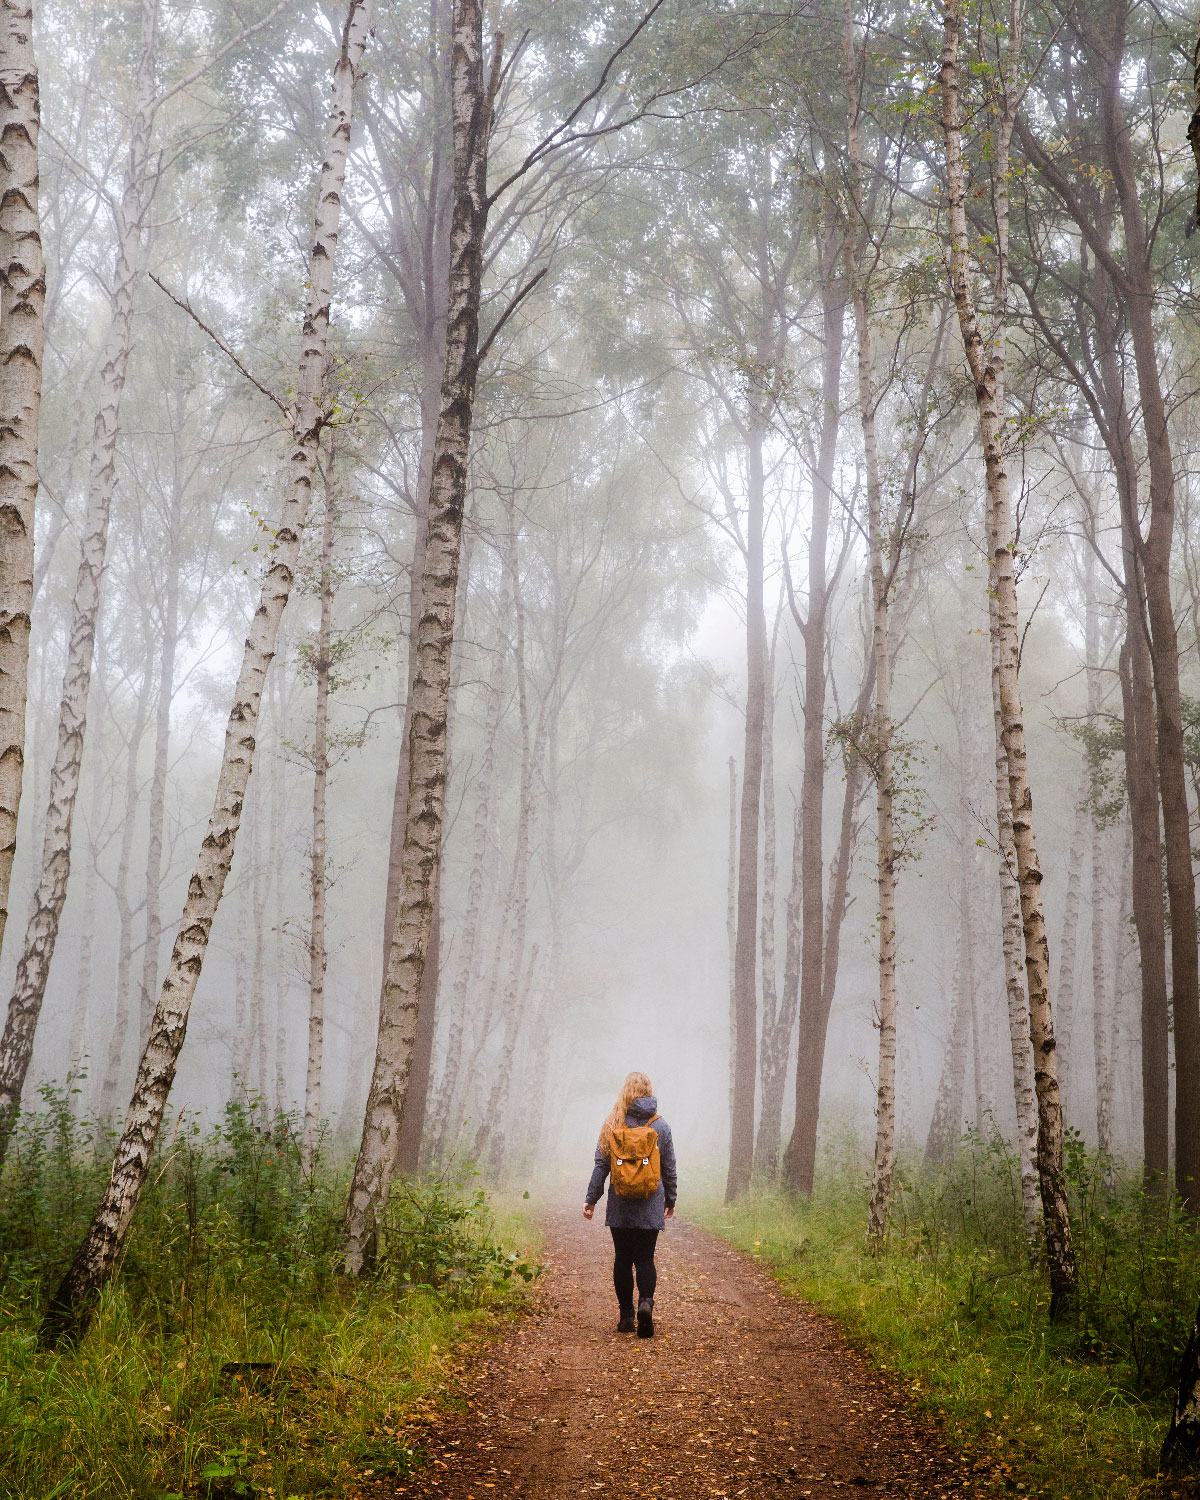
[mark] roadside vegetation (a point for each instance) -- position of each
(954, 1310)
(228, 1358)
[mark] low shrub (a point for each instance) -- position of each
(228, 1357)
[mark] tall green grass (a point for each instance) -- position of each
(954, 1309)
(228, 1359)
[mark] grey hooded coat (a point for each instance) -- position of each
(638, 1213)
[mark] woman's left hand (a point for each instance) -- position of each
(588, 1210)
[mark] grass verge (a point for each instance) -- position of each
(955, 1313)
(228, 1361)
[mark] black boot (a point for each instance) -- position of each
(645, 1318)
(627, 1324)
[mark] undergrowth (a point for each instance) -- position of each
(955, 1310)
(228, 1359)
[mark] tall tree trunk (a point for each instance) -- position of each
(33, 969)
(1068, 948)
(473, 98)
(878, 742)
(70, 1307)
(799, 1160)
(745, 953)
(471, 928)
(318, 955)
(22, 336)
(158, 776)
(283, 1100)
(1109, 41)
(260, 883)
(945, 1127)
(986, 362)
(770, 983)
(489, 1135)
(731, 923)
(1141, 779)
(1101, 1054)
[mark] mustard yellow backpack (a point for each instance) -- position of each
(634, 1162)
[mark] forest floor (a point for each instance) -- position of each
(743, 1391)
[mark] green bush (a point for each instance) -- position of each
(956, 1308)
(228, 1357)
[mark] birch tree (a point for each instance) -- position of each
(133, 231)
(70, 1308)
(985, 358)
(22, 336)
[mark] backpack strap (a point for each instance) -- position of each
(652, 1119)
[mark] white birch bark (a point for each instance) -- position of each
(157, 814)
(472, 102)
(985, 359)
(878, 746)
(96, 1257)
(33, 968)
(22, 336)
(318, 956)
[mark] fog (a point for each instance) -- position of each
(667, 427)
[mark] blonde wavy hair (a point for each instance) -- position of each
(636, 1085)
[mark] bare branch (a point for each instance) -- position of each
(186, 306)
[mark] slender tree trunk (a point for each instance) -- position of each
(745, 953)
(33, 969)
(731, 923)
(158, 781)
(283, 1100)
(22, 336)
(260, 878)
(318, 955)
(770, 986)
(799, 1161)
(123, 999)
(1141, 767)
(94, 1261)
(1068, 948)
(473, 916)
(473, 100)
(1138, 297)
(1101, 1054)
(242, 1035)
(878, 742)
(945, 1125)
(489, 1133)
(986, 362)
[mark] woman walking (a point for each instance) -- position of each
(636, 1150)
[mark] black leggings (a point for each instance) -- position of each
(634, 1249)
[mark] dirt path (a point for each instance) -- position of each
(742, 1392)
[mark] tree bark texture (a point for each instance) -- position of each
(472, 922)
(41, 934)
(986, 362)
(158, 777)
(878, 742)
(318, 953)
(745, 953)
(472, 104)
(799, 1161)
(94, 1261)
(123, 995)
(1109, 39)
(22, 337)
(1068, 949)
